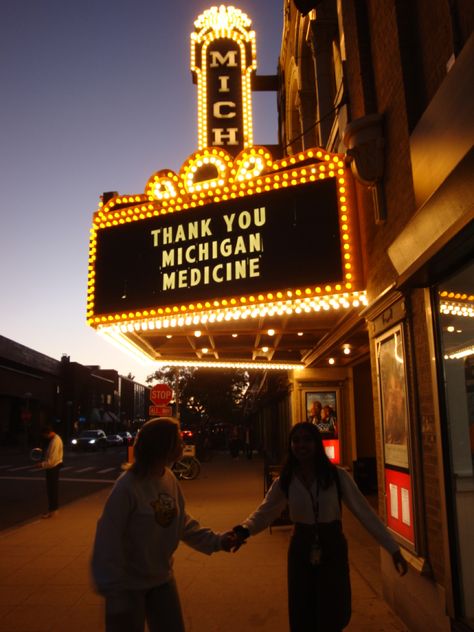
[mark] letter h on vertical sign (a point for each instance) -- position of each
(223, 57)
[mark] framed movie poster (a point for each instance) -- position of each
(391, 370)
(322, 409)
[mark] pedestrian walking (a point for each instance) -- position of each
(319, 591)
(143, 521)
(52, 463)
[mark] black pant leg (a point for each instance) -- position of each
(302, 588)
(319, 596)
(52, 487)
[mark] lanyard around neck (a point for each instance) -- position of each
(315, 502)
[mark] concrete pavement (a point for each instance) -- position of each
(45, 584)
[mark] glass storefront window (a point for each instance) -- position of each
(455, 302)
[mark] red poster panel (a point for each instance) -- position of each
(331, 446)
(399, 499)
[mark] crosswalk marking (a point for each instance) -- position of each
(73, 480)
(23, 467)
(6, 469)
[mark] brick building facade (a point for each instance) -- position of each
(390, 84)
(36, 389)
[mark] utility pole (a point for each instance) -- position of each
(176, 392)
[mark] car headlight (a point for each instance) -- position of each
(74, 442)
(92, 441)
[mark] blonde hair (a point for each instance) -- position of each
(155, 443)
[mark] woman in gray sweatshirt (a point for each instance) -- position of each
(144, 519)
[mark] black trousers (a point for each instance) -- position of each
(52, 486)
(319, 597)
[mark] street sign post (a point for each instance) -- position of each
(161, 394)
(160, 411)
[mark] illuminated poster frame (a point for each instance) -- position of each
(395, 418)
(323, 408)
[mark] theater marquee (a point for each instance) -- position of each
(235, 236)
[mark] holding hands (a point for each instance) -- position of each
(233, 540)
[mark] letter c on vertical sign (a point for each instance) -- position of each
(218, 109)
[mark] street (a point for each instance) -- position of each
(23, 488)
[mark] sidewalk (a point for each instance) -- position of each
(45, 584)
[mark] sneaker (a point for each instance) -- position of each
(50, 514)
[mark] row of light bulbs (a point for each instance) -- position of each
(126, 345)
(456, 308)
(123, 216)
(315, 304)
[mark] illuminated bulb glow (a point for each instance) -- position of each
(253, 170)
(270, 178)
(124, 344)
(462, 353)
(344, 301)
(230, 23)
(463, 308)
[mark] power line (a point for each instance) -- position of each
(323, 118)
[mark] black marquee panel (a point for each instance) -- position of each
(282, 239)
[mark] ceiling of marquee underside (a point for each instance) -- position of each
(309, 339)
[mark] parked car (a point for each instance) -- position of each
(114, 440)
(126, 436)
(90, 440)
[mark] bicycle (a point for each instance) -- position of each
(187, 468)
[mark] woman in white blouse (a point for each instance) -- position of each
(319, 592)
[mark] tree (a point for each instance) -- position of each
(206, 395)
(215, 395)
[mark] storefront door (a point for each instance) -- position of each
(454, 299)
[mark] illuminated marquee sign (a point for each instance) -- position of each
(260, 231)
(222, 60)
(267, 241)
(235, 234)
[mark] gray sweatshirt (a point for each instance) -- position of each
(139, 530)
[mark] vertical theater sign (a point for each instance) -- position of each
(223, 59)
(240, 259)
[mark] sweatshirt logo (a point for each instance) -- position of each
(165, 509)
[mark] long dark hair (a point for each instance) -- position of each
(325, 470)
(156, 441)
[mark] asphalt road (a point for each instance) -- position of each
(23, 487)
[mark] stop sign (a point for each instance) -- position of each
(161, 394)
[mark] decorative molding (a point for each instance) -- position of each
(365, 144)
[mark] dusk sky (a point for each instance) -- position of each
(97, 95)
